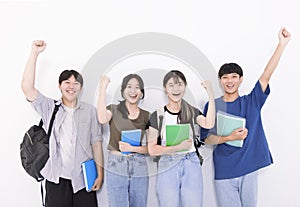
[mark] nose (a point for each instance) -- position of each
(133, 90)
(176, 87)
(229, 79)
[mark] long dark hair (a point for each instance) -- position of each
(186, 113)
(123, 109)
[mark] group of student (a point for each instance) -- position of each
(77, 137)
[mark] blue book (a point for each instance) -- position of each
(89, 173)
(133, 137)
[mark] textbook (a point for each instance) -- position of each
(133, 137)
(175, 134)
(89, 173)
(226, 123)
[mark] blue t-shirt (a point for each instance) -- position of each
(230, 161)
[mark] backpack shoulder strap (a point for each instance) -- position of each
(197, 142)
(160, 119)
(160, 122)
(56, 107)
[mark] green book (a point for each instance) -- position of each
(226, 123)
(175, 134)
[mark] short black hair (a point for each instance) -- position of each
(228, 68)
(66, 74)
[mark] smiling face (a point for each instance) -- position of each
(175, 89)
(70, 89)
(231, 83)
(132, 92)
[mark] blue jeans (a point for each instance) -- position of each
(238, 192)
(179, 181)
(127, 180)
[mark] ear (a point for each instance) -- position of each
(80, 89)
(241, 79)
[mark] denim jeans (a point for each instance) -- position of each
(238, 192)
(179, 181)
(127, 180)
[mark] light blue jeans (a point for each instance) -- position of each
(127, 180)
(238, 192)
(179, 181)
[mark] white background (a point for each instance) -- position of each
(225, 31)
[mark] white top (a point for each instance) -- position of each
(67, 144)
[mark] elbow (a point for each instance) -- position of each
(102, 120)
(210, 124)
(24, 88)
(103, 116)
(30, 92)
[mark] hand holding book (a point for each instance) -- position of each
(130, 138)
(125, 147)
(239, 134)
(90, 174)
(186, 144)
(233, 127)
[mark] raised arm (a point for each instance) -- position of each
(284, 37)
(28, 80)
(208, 122)
(104, 115)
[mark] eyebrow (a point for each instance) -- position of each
(176, 82)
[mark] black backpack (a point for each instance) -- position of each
(34, 149)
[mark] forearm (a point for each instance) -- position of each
(101, 106)
(28, 79)
(160, 150)
(210, 115)
(215, 140)
(140, 149)
(284, 37)
(273, 62)
(98, 157)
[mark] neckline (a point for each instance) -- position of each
(173, 113)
